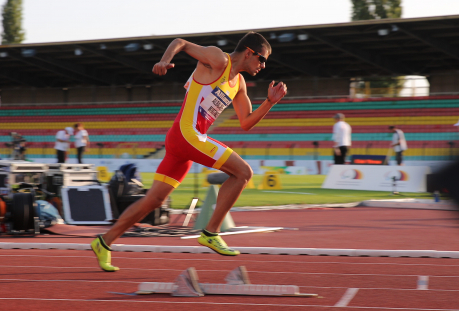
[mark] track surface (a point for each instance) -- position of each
(70, 280)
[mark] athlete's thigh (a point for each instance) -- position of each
(210, 153)
(172, 169)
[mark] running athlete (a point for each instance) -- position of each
(213, 86)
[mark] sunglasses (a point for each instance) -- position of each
(261, 58)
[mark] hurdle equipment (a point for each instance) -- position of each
(238, 283)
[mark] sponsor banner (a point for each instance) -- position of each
(311, 167)
(296, 170)
(377, 178)
(326, 165)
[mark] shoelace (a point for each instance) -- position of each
(222, 244)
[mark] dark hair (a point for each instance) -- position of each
(391, 127)
(253, 40)
(339, 116)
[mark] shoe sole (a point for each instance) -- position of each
(217, 251)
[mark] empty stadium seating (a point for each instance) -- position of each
(287, 132)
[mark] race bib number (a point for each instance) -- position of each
(214, 104)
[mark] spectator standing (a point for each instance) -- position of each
(81, 140)
(341, 138)
(22, 149)
(16, 146)
(63, 143)
(398, 143)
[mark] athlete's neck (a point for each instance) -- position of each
(237, 64)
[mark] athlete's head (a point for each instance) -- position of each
(256, 49)
(255, 41)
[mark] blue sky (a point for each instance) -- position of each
(72, 20)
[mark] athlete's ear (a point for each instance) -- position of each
(247, 54)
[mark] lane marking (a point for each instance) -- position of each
(122, 255)
(251, 271)
(301, 286)
(82, 281)
(347, 297)
(189, 302)
(423, 282)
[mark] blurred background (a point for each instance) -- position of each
(379, 62)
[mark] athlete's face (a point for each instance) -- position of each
(257, 61)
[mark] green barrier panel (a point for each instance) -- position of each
(207, 209)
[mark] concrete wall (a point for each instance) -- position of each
(93, 94)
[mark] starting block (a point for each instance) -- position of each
(237, 283)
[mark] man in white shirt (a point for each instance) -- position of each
(81, 140)
(398, 143)
(63, 143)
(341, 138)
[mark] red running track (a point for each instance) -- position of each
(70, 280)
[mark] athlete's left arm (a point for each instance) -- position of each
(243, 107)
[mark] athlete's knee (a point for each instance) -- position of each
(245, 172)
(154, 200)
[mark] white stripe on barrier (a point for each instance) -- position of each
(244, 250)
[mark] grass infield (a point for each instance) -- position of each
(296, 189)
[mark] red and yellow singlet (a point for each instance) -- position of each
(187, 141)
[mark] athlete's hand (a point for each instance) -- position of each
(276, 93)
(161, 68)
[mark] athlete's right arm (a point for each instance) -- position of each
(210, 57)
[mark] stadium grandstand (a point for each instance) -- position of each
(108, 85)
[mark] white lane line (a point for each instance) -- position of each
(375, 288)
(189, 302)
(347, 297)
(124, 256)
(301, 286)
(423, 282)
(251, 271)
(80, 281)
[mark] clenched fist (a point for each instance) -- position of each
(276, 93)
(162, 67)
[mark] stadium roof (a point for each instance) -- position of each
(389, 47)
